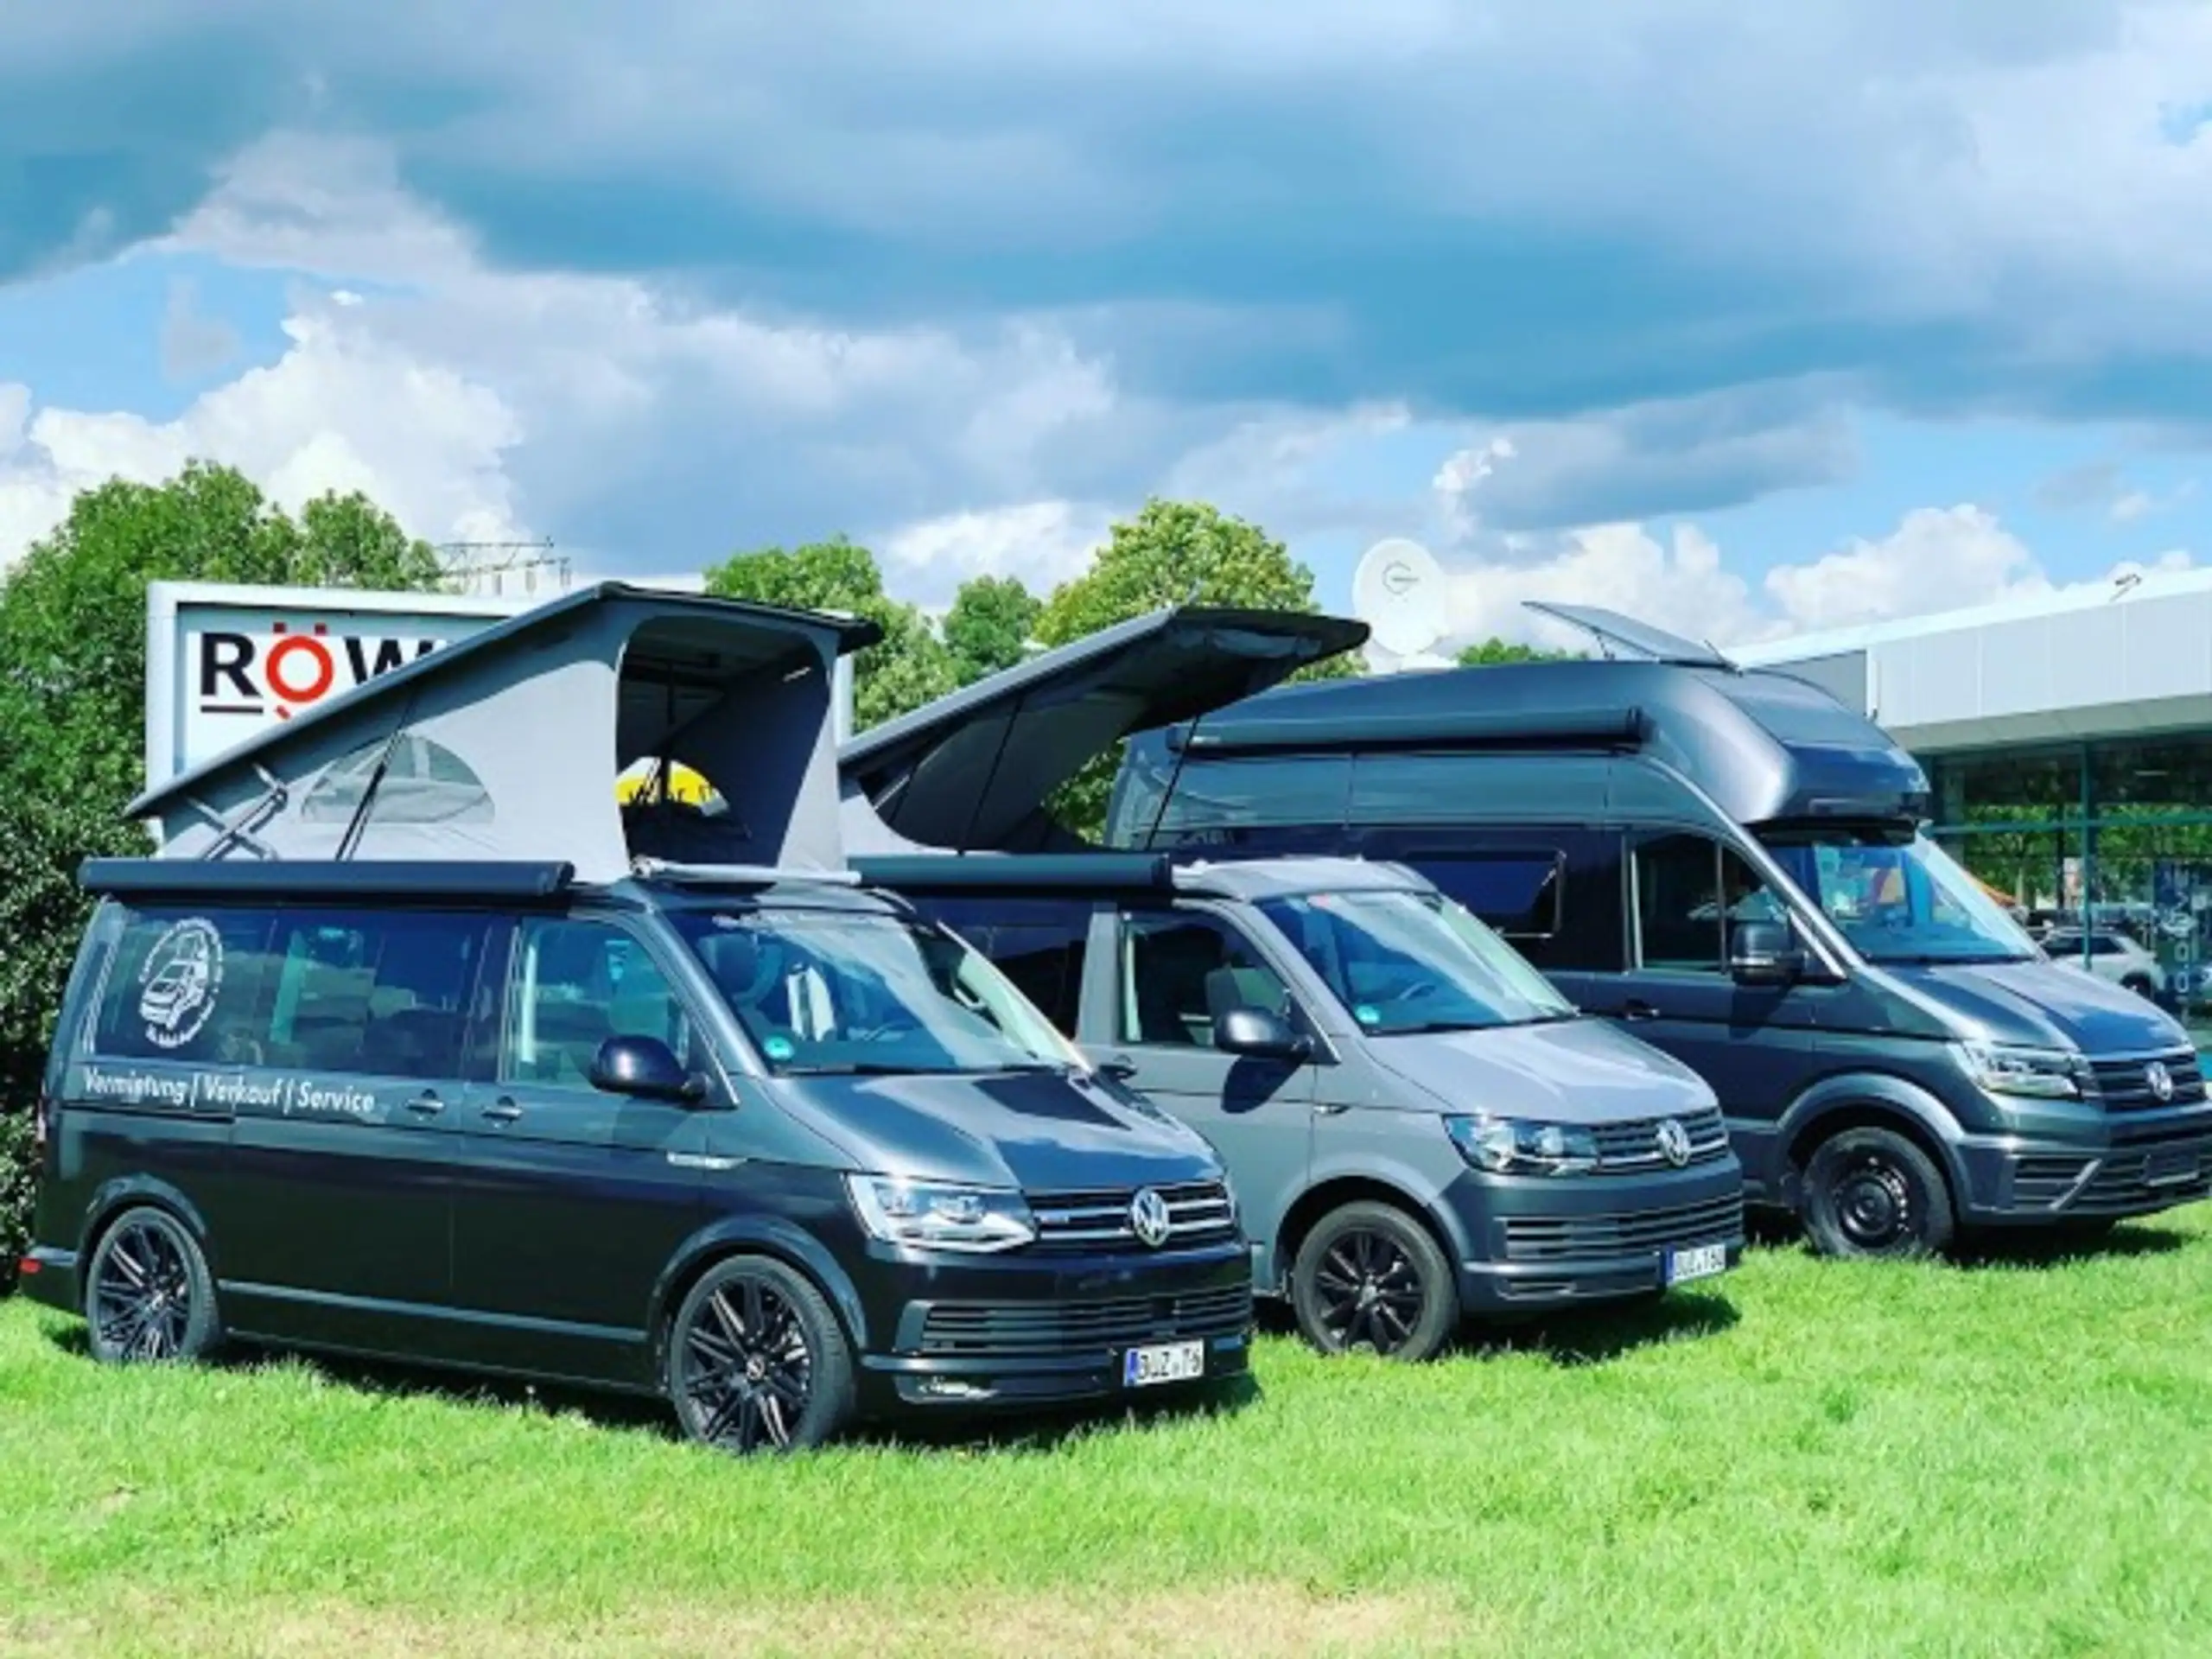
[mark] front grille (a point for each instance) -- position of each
(1197, 1214)
(1624, 1147)
(985, 1331)
(2124, 1086)
(1605, 1238)
(2149, 1179)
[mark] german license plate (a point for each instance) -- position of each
(1698, 1261)
(1172, 1362)
(2172, 1167)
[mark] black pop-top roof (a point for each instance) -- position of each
(973, 770)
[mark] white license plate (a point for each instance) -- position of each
(1172, 1362)
(1698, 1262)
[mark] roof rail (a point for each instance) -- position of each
(505, 879)
(1004, 872)
(735, 876)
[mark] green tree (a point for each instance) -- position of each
(72, 614)
(1490, 653)
(1171, 553)
(909, 668)
(72, 683)
(992, 621)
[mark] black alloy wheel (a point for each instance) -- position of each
(757, 1361)
(149, 1296)
(1872, 1193)
(1369, 1278)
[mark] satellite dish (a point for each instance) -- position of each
(1399, 592)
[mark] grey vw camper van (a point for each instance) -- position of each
(505, 1077)
(1731, 864)
(1420, 1127)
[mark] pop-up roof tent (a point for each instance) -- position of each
(506, 745)
(973, 771)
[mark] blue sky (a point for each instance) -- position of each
(1752, 320)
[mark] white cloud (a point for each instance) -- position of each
(1044, 542)
(1936, 559)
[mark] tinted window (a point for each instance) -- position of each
(575, 984)
(1039, 945)
(1688, 889)
(379, 993)
(1215, 800)
(188, 985)
(1180, 972)
(1517, 893)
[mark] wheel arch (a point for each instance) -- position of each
(1870, 1100)
(114, 1197)
(1333, 1191)
(750, 1236)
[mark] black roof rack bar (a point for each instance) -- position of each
(1016, 873)
(505, 879)
(1257, 734)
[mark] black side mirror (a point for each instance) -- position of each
(644, 1066)
(1764, 953)
(1258, 1035)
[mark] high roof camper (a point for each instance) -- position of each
(1420, 1127)
(465, 1061)
(1731, 865)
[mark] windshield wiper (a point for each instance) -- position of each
(855, 1068)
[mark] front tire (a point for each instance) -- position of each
(149, 1296)
(1872, 1193)
(757, 1360)
(1369, 1278)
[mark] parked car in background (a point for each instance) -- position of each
(2110, 956)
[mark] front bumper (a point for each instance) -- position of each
(1030, 1330)
(1543, 1243)
(2143, 1163)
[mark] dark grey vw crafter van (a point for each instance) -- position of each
(495, 1074)
(1419, 1126)
(1731, 864)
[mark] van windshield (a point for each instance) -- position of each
(820, 992)
(1898, 898)
(1403, 962)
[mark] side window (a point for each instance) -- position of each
(1179, 972)
(573, 985)
(1229, 802)
(1690, 891)
(385, 994)
(1517, 893)
(188, 985)
(1039, 945)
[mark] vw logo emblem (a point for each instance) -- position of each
(2160, 1079)
(1674, 1143)
(1148, 1216)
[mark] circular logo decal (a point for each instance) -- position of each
(1367, 1015)
(1673, 1142)
(178, 985)
(1148, 1216)
(778, 1048)
(2160, 1079)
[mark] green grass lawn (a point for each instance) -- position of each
(2010, 1458)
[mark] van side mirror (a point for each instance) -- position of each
(1764, 953)
(644, 1066)
(1256, 1033)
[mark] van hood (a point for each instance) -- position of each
(971, 773)
(1041, 1131)
(2041, 1005)
(1582, 1071)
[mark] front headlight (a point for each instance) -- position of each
(2038, 1073)
(1511, 1146)
(932, 1217)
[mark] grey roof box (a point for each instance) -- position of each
(1762, 746)
(972, 771)
(507, 746)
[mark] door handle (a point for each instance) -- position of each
(503, 1110)
(427, 1104)
(1637, 1008)
(1330, 1107)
